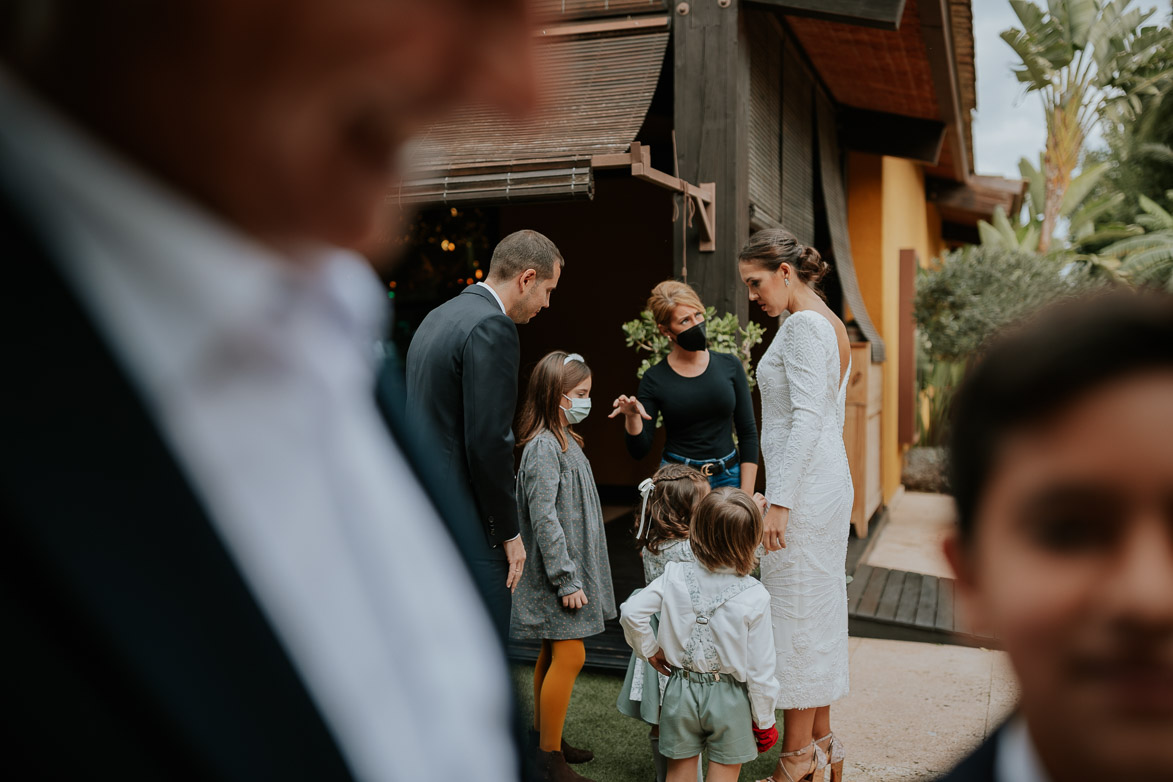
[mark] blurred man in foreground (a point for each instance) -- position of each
(1062, 467)
(218, 562)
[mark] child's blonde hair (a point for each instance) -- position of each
(726, 530)
(669, 503)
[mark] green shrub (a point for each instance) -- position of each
(975, 291)
(726, 335)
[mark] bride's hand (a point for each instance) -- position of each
(774, 528)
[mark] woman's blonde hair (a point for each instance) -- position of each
(669, 295)
(676, 490)
(551, 378)
(726, 530)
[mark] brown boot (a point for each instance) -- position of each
(553, 768)
(572, 754)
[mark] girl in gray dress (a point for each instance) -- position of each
(565, 592)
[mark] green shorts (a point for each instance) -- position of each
(701, 714)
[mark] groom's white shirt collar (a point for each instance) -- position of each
(497, 298)
(1016, 759)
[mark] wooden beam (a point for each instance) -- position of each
(658, 22)
(880, 133)
(711, 120)
(707, 210)
(639, 158)
(880, 14)
(937, 33)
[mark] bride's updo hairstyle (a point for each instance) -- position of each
(772, 247)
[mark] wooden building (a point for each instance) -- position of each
(669, 131)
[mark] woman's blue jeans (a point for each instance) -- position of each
(731, 477)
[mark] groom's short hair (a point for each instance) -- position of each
(521, 250)
(1037, 369)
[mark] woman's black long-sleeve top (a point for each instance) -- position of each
(700, 413)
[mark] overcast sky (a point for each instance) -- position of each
(1008, 123)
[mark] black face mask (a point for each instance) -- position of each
(693, 339)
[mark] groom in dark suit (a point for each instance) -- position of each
(462, 383)
(217, 554)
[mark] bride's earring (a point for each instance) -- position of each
(787, 281)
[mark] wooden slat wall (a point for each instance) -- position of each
(835, 195)
(765, 75)
(798, 198)
(595, 95)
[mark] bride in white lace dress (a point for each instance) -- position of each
(802, 378)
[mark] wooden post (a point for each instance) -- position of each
(711, 55)
(906, 395)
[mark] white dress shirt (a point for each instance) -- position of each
(496, 296)
(1015, 759)
(258, 370)
(743, 638)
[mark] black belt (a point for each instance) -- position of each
(708, 467)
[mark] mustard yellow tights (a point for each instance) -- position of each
(558, 665)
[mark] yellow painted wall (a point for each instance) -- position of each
(865, 215)
(887, 212)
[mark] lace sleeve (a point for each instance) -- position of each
(804, 357)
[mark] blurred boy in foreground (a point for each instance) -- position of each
(1063, 475)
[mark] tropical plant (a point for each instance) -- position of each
(726, 335)
(1140, 158)
(936, 383)
(1147, 258)
(1087, 59)
(1079, 208)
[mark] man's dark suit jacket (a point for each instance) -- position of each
(979, 765)
(462, 384)
(132, 646)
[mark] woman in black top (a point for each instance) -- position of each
(702, 394)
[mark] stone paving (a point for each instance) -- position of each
(915, 708)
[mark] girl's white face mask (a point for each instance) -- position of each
(579, 409)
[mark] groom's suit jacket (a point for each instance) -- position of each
(131, 642)
(462, 384)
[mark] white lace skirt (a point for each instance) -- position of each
(808, 590)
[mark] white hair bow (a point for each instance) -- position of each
(645, 490)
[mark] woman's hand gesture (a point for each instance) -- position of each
(774, 527)
(630, 407)
(633, 413)
(575, 600)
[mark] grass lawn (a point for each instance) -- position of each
(620, 744)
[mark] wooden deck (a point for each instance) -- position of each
(881, 603)
(901, 606)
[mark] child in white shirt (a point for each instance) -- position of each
(669, 499)
(715, 643)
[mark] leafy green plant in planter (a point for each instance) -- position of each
(726, 335)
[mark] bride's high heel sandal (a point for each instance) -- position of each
(804, 767)
(834, 755)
